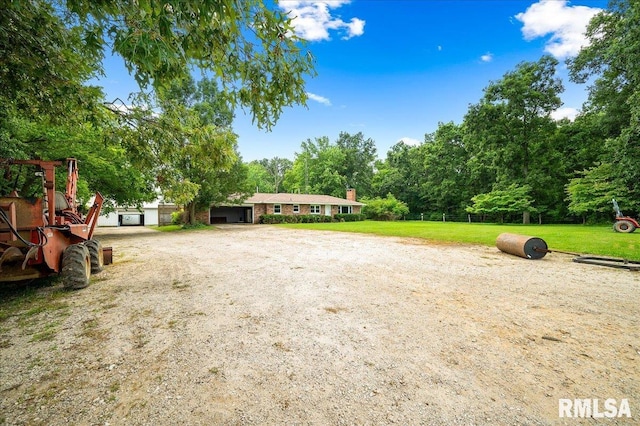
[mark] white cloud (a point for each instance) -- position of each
(313, 20)
(566, 112)
(487, 57)
(356, 28)
(319, 98)
(566, 25)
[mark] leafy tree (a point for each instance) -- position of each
(250, 49)
(445, 188)
(510, 127)
(51, 48)
(401, 174)
(513, 199)
(590, 194)
(196, 145)
(359, 158)
(325, 168)
(258, 177)
(581, 142)
(225, 185)
(316, 170)
(276, 168)
(103, 166)
(388, 208)
(45, 63)
(613, 57)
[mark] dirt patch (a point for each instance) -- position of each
(264, 325)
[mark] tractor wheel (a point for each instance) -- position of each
(76, 267)
(95, 252)
(624, 226)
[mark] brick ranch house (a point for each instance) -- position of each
(286, 204)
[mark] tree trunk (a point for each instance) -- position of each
(526, 218)
(191, 214)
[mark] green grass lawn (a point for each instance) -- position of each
(584, 239)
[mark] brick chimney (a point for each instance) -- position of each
(351, 194)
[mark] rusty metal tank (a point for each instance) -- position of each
(522, 245)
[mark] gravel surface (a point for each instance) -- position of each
(265, 325)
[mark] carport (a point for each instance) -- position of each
(231, 214)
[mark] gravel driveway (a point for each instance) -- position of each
(263, 325)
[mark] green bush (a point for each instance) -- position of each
(271, 219)
(177, 217)
(351, 217)
(388, 208)
(313, 218)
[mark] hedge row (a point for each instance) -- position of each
(351, 217)
(308, 218)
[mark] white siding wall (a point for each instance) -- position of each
(110, 219)
(150, 216)
(129, 218)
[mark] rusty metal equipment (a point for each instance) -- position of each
(623, 223)
(522, 245)
(611, 262)
(536, 248)
(47, 234)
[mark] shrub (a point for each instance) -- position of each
(388, 208)
(313, 218)
(271, 219)
(351, 217)
(197, 225)
(177, 217)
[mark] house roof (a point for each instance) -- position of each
(285, 198)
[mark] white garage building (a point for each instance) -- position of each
(155, 213)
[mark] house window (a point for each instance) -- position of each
(345, 209)
(296, 208)
(277, 209)
(314, 209)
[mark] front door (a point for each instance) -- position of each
(327, 210)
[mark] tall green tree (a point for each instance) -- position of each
(316, 169)
(250, 49)
(45, 63)
(590, 193)
(445, 188)
(276, 168)
(199, 150)
(359, 158)
(50, 49)
(613, 59)
(501, 202)
(258, 177)
(510, 128)
(322, 167)
(401, 173)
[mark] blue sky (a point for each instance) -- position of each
(393, 69)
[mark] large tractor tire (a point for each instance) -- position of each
(95, 252)
(624, 226)
(76, 267)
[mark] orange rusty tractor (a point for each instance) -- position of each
(46, 233)
(623, 223)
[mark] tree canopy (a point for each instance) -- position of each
(613, 59)
(245, 50)
(196, 62)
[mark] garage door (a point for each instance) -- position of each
(230, 215)
(131, 219)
